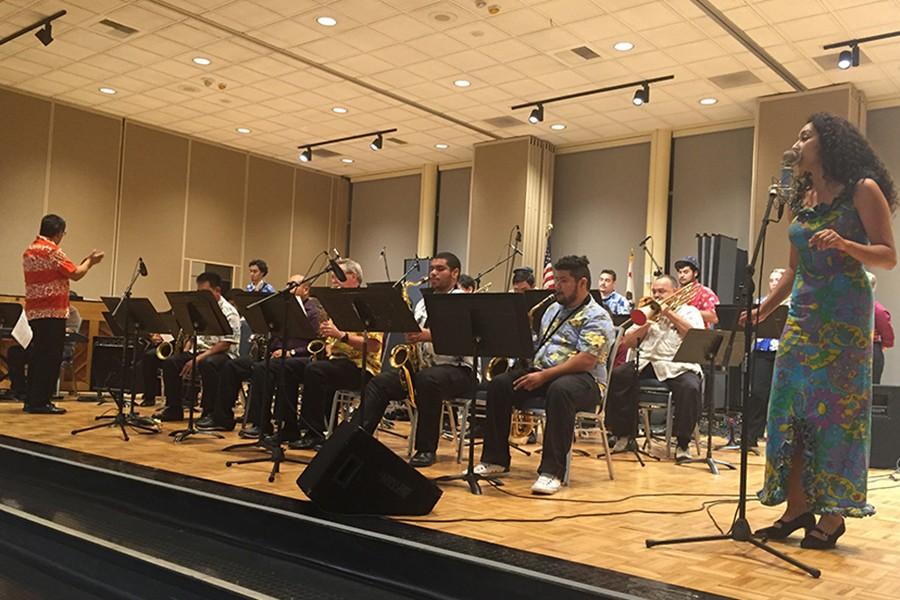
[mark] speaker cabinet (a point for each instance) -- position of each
(885, 427)
(354, 473)
(106, 364)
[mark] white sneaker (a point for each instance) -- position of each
(489, 470)
(621, 444)
(546, 485)
(682, 454)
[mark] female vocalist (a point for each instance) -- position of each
(820, 407)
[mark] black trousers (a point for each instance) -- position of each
(761, 387)
(232, 375)
(562, 398)
(877, 362)
(16, 359)
(209, 368)
(44, 359)
(622, 401)
(285, 392)
(320, 379)
(148, 365)
(432, 386)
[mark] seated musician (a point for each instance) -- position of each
(466, 283)
(572, 348)
(705, 300)
(213, 352)
(262, 388)
(258, 271)
(657, 342)
(436, 378)
(614, 302)
(320, 378)
(523, 279)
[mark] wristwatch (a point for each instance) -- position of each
(292, 352)
(345, 338)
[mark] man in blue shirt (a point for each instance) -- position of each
(614, 302)
(258, 271)
(569, 370)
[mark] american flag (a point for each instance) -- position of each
(549, 281)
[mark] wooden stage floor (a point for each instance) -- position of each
(866, 564)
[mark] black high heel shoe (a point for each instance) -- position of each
(813, 542)
(781, 529)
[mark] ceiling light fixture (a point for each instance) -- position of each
(108, 91)
(850, 57)
(243, 130)
(708, 101)
(44, 27)
(326, 21)
(347, 161)
(642, 95)
(376, 144)
(441, 146)
(202, 61)
(306, 155)
(623, 46)
(462, 83)
(538, 112)
(558, 126)
(339, 110)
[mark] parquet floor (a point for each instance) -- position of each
(866, 565)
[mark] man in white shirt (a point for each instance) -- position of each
(213, 352)
(657, 342)
(438, 376)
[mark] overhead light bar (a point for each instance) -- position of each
(537, 114)
(642, 95)
(45, 35)
(376, 143)
(850, 57)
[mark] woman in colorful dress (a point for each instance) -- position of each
(820, 407)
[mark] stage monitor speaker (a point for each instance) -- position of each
(106, 362)
(356, 474)
(885, 427)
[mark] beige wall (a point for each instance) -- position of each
(453, 211)
(133, 190)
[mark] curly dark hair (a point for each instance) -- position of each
(847, 157)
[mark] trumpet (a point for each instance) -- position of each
(501, 364)
(166, 349)
(649, 309)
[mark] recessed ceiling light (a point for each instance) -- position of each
(326, 21)
(339, 110)
(442, 146)
(242, 130)
(708, 101)
(347, 161)
(201, 60)
(463, 83)
(558, 126)
(107, 90)
(623, 46)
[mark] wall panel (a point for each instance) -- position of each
(24, 133)
(312, 218)
(268, 227)
(453, 211)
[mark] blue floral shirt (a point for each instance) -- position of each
(616, 304)
(590, 329)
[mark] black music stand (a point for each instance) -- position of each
(197, 313)
(479, 325)
(129, 317)
(284, 320)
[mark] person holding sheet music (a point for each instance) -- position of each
(437, 378)
(568, 371)
(213, 352)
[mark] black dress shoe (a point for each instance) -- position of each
(205, 422)
(813, 542)
(48, 409)
(250, 432)
(307, 442)
(209, 424)
(148, 402)
(781, 529)
(423, 459)
(169, 414)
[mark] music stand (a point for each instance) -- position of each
(129, 317)
(284, 320)
(197, 313)
(479, 325)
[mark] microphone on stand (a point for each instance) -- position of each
(142, 268)
(786, 182)
(518, 235)
(335, 267)
(644, 241)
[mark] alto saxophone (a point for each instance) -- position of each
(406, 357)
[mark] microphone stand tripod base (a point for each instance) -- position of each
(276, 456)
(471, 478)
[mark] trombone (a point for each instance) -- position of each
(649, 309)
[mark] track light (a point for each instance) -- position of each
(306, 155)
(45, 34)
(537, 115)
(849, 58)
(377, 143)
(641, 96)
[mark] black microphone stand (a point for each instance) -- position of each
(740, 529)
(657, 270)
(502, 261)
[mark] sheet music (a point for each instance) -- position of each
(22, 331)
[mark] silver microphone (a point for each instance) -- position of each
(786, 182)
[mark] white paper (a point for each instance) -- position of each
(22, 331)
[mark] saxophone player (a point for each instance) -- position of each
(572, 348)
(437, 377)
